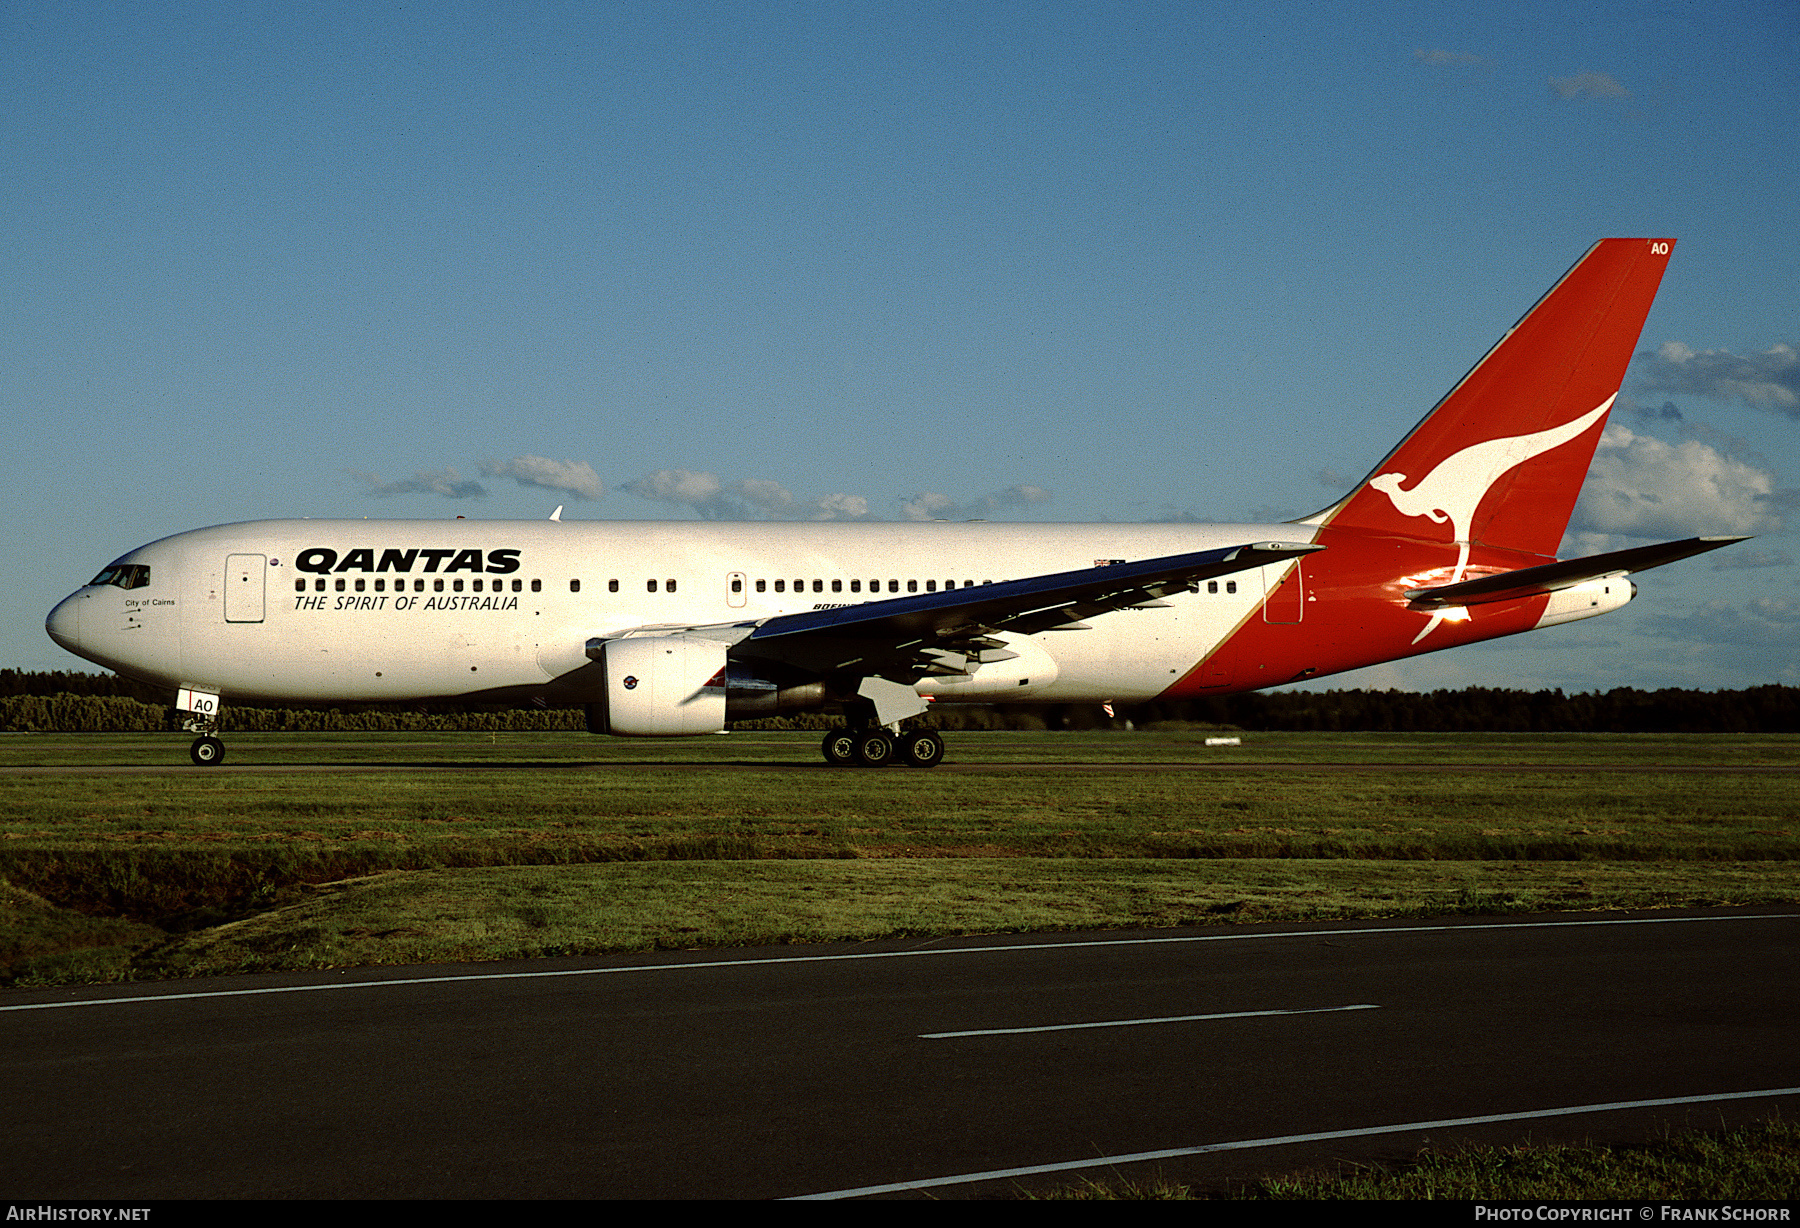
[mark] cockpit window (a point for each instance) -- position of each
(125, 575)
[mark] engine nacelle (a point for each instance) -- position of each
(670, 686)
(660, 686)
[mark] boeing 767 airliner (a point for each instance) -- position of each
(666, 629)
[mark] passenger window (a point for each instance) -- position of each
(574, 586)
(299, 586)
(912, 586)
(856, 586)
(893, 586)
(340, 584)
(537, 586)
(612, 586)
(359, 585)
(818, 586)
(781, 586)
(650, 585)
(762, 586)
(931, 586)
(1212, 586)
(837, 586)
(456, 585)
(1231, 586)
(518, 585)
(669, 585)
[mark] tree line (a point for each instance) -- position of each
(1762, 709)
(62, 701)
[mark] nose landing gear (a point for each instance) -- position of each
(200, 712)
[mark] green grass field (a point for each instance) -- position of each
(1756, 1162)
(417, 848)
(431, 847)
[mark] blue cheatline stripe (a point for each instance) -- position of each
(1132, 1023)
(910, 954)
(1247, 1144)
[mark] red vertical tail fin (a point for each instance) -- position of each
(1500, 460)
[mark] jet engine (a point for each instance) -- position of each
(669, 686)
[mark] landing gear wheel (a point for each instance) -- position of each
(922, 748)
(207, 751)
(839, 748)
(874, 748)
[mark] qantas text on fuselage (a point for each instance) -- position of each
(323, 560)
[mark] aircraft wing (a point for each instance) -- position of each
(1530, 581)
(923, 635)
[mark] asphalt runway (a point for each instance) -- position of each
(941, 1068)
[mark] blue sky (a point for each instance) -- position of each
(1115, 261)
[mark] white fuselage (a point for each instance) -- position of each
(365, 610)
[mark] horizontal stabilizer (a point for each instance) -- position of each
(1531, 581)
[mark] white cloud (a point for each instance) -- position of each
(1769, 380)
(843, 507)
(1750, 560)
(749, 499)
(1596, 84)
(681, 486)
(1580, 544)
(445, 482)
(712, 498)
(1641, 486)
(934, 506)
(1761, 622)
(575, 478)
(773, 500)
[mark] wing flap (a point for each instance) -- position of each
(901, 636)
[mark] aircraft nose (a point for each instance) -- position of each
(64, 623)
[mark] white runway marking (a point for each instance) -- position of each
(911, 954)
(1246, 1144)
(1132, 1023)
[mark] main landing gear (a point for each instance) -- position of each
(873, 746)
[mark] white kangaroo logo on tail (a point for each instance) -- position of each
(1454, 489)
